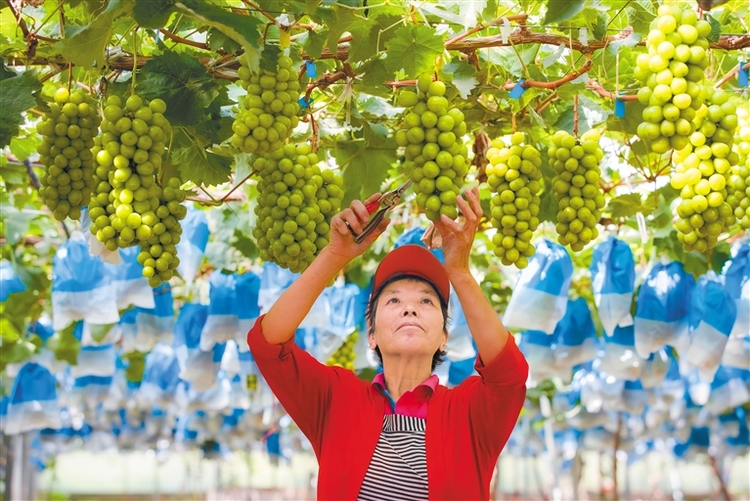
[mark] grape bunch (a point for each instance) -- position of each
(576, 186)
(702, 174)
(130, 207)
(513, 175)
(68, 131)
(432, 134)
(739, 182)
(268, 114)
(671, 72)
(296, 203)
(344, 356)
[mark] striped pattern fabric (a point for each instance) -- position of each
(398, 469)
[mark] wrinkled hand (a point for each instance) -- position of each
(341, 242)
(457, 237)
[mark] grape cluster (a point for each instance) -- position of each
(68, 131)
(268, 114)
(432, 134)
(344, 356)
(576, 186)
(130, 206)
(739, 182)
(703, 171)
(296, 203)
(672, 71)
(514, 176)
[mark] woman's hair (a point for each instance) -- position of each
(372, 307)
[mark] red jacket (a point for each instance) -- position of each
(342, 416)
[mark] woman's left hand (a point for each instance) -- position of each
(458, 238)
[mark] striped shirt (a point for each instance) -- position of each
(398, 469)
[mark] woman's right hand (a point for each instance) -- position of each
(341, 243)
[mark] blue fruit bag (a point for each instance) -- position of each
(9, 282)
(222, 323)
(712, 316)
(33, 401)
(737, 279)
(156, 325)
(248, 311)
(575, 336)
(193, 244)
(537, 348)
(662, 311)
(620, 359)
(540, 296)
(130, 286)
(613, 283)
(81, 286)
(729, 389)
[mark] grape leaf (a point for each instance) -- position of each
(269, 58)
(715, 28)
(217, 40)
(245, 30)
(16, 96)
(245, 245)
(84, 45)
(630, 41)
(461, 75)
(182, 82)
(313, 42)
(16, 225)
(198, 165)
(414, 50)
(562, 10)
(628, 205)
(15, 353)
(364, 168)
(153, 14)
(370, 35)
(24, 147)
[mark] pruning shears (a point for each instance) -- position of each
(385, 203)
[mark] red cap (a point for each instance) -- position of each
(415, 260)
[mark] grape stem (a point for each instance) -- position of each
(521, 18)
(556, 83)
(184, 41)
(575, 115)
(730, 75)
(257, 8)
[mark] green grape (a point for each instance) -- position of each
(130, 207)
(68, 131)
(432, 136)
(671, 72)
(297, 200)
(344, 356)
(513, 175)
(576, 187)
(739, 182)
(268, 112)
(703, 173)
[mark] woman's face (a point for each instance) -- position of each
(408, 320)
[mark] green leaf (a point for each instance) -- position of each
(269, 58)
(217, 40)
(16, 225)
(15, 353)
(8, 331)
(562, 10)
(13, 174)
(84, 45)
(245, 30)
(136, 366)
(370, 35)
(599, 28)
(364, 167)
(640, 17)
(313, 42)
(24, 147)
(245, 245)
(461, 75)
(630, 41)
(98, 332)
(182, 82)
(715, 28)
(413, 49)
(374, 73)
(198, 165)
(65, 345)
(16, 96)
(628, 205)
(153, 14)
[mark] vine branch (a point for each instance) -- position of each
(185, 41)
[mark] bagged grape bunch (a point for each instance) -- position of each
(296, 203)
(576, 186)
(738, 188)
(132, 205)
(513, 175)
(672, 71)
(702, 174)
(431, 134)
(344, 356)
(68, 131)
(268, 112)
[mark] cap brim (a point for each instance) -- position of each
(415, 260)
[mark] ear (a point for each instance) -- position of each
(371, 340)
(445, 341)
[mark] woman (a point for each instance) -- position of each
(404, 436)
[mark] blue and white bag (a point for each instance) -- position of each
(222, 323)
(663, 306)
(273, 281)
(613, 283)
(737, 279)
(161, 375)
(540, 296)
(655, 368)
(202, 368)
(193, 244)
(248, 289)
(712, 316)
(81, 288)
(340, 307)
(130, 286)
(9, 282)
(729, 389)
(575, 336)
(156, 325)
(634, 397)
(188, 328)
(95, 361)
(537, 348)
(460, 344)
(33, 401)
(620, 359)
(128, 331)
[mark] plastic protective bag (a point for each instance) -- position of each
(737, 279)
(655, 368)
(712, 316)
(273, 281)
(620, 359)
(537, 348)
(156, 324)
(9, 282)
(222, 323)
(729, 389)
(661, 317)
(613, 283)
(575, 336)
(193, 244)
(81, 287)
(634, 397)
(161, 375)
(33, 401)
(130, 286)
(460, 344)
(95, 361)
(340, 305)
(248, 289)
(202, 368)
(188, 328)
(540, 296)
(96, 248)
